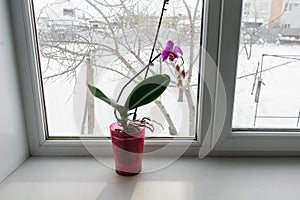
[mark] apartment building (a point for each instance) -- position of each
(272, 13)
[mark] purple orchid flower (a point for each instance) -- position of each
(171, 52)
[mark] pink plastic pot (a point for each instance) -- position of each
(128, 150)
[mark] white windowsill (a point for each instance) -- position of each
(187, 178)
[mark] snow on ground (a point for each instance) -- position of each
(280, 93)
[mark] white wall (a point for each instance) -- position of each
(13, 139)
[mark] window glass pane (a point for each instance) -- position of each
(268, 76)
(105, 43)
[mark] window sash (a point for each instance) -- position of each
(33, 99)
(245, 141)
(83, 137)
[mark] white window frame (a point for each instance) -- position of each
(264, 142)
(221, 41)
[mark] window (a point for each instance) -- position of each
(246, 10)
(73, 54)
(288, 6)
(264, 112)
(237, 46)
(268, 78)
(95, 26)
(285, 26)
(68, 12)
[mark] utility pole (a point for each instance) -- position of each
(89, 107)
(89, 96)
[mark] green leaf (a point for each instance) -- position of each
(100, 95)
(147, 91)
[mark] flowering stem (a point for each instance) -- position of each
(156, 36)
(154, 44)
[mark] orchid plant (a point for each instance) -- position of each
(144, 93)
(147, 90)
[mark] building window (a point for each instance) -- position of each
(246, 9)
(68, 12)
(95, 26)
(288, 6)
(285, 26)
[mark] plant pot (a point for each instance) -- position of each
(128, 150)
